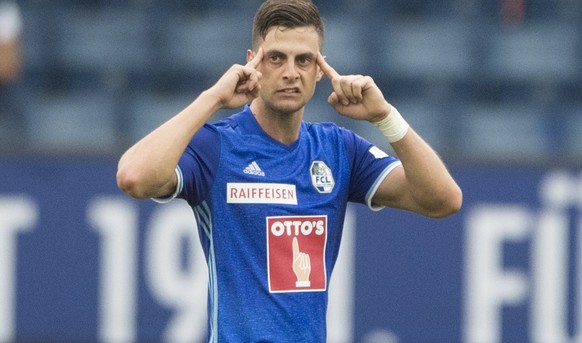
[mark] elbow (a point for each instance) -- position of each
(450, 204)
(129, 182)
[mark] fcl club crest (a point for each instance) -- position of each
(321, 177)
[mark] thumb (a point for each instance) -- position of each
(333, 99)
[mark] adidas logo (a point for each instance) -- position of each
(254, 169)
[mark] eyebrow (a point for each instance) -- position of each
(302, 55)
(308, 55)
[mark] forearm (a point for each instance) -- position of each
(147, 169)
(424, 185)
(428, 181)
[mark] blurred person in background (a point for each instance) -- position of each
(270, 190)
(10, 67)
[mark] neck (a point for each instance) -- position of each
(281, 126)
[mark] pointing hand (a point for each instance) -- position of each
(301, 265)
(240, 84)
(355, 96)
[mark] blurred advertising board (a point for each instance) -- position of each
(82, 262)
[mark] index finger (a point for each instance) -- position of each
(295, 248)
(326, 68)
(256, 61)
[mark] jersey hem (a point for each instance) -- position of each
(179, 186)
(376, 185)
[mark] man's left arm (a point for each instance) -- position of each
(422, 184)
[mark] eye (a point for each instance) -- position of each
(304, 60)
(276, 59)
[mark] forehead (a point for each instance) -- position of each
(303, 39)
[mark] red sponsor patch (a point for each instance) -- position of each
(296, 253)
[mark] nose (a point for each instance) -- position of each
(291, 71)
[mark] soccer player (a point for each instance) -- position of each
(269, 190)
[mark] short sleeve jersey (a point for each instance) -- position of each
(270, 218)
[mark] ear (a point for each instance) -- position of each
(319, 74)
(250, 55)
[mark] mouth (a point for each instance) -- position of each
(292, 90)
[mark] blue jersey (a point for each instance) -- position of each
(270, 217)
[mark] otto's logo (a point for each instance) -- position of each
(296, 253)
(321, 177)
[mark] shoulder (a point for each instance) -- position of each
(216, 128)
(324, 128)
(326, 125)
(206, 132)
(239, 122)
(330, 129)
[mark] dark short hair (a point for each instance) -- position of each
(287, 14)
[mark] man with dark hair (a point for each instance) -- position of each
(270, 190)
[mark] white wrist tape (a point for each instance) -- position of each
(393, 127)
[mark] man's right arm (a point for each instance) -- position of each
(147, 169)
